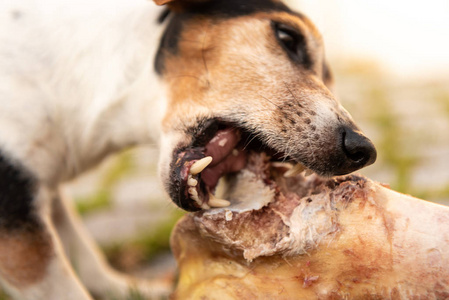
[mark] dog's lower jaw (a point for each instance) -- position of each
(219, 149)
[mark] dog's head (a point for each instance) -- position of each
(247, 76)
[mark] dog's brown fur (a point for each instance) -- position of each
(24, 256)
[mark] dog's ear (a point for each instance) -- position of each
(177, 2)
(162, 2)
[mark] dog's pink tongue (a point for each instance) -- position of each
(222, 144)
(225, 157)
(232, 163)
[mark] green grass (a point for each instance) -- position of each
(442, 98)
(146, 245)
(159, 240)
(441, 193)
(392, 149)
(122, 165)
(98, 201)
(3, 296)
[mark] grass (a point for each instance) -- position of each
(393, 151)
(121, 166)
(440, 194)
(3, 296)
(442, 98)
(144, 247)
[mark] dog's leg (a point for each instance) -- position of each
(32, 261)
(95, 273)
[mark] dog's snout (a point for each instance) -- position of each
(358, 149)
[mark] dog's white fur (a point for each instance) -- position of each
(78, 71)
(76, 82)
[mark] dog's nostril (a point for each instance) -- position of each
(357, 148)
(357, 156)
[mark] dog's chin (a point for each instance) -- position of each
(209, 172)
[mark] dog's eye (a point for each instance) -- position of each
(292, 42)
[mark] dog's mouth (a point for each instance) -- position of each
(218, 150)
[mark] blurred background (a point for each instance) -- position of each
(391, 65)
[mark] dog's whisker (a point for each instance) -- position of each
(293, 95)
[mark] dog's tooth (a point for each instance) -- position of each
(295, 170)
(235, 152)
(200, 165)
(192, 181)
(193, 191)
(215, 202)
(219, 203)
(308, 172)
(197, 200)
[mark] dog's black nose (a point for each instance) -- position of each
(358, 150)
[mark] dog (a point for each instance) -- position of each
(209, 80)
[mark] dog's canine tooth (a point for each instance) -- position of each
(308, 172)
(193, 191)
(295, 170)
(192, 181)
(215, 202)
(200, 165)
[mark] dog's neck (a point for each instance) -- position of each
(121, 103)
(96, 91)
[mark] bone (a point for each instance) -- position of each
(215, 202)
(384, 245)
(200, 165)
(295, 170)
